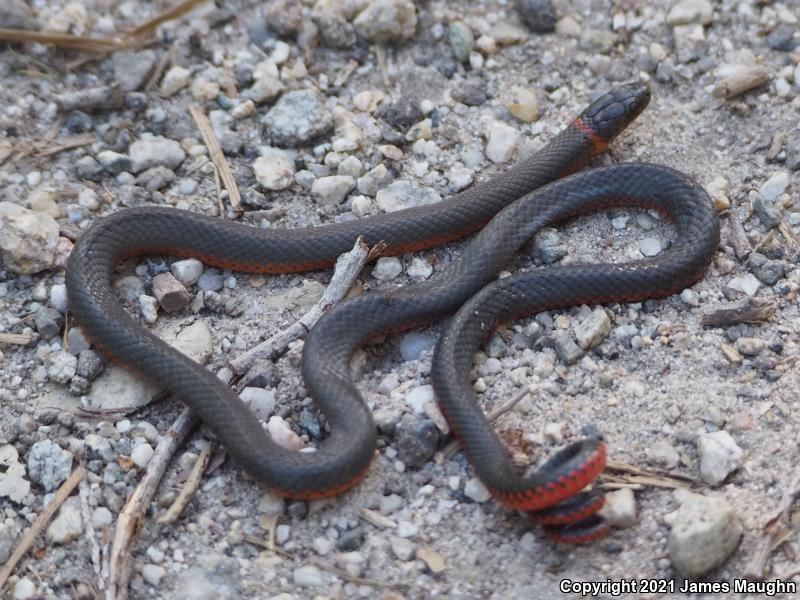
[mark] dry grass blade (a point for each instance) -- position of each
(93, 45)
(148, 27)
(217, 156)
(749, 310)
(632, 476)
(43, 148)
(39, 524)
(660, 474)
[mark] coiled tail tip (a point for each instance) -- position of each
(557, 498)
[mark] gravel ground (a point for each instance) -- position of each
(337, 109)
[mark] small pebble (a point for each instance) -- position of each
(476, 491)
(274, 170)
(719, 456)
(149, 307)
(175, 79)
(259, 400)
(416, 438)
(142, 454)
(101, 517)
(773, 187)
(24, 589)
(593, 329)
(283, 435)
(650, 246)
(170, 293)
(387, 268)
(187, 271)
(620, 508)
(501, 142)
(538, 15)
(307, 576)
(153, 574)
(686, 12)
(663, 454)
(67, 526)
(333, 190)
(566, 349)
(413, 344)
(462, 40)
(524, 104)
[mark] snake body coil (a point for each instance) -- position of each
(343, 457)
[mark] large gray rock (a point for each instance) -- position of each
(705, 532)
(49, 464)
(28, 239)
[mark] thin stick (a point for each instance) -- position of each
(162, 65)
(149, 26)
(451, 448)
(614, 465)
(348, 268)
(216, 155)
(189, 487)
(39, 524)
(132, 516)
(63, 40)
(19, 339)
(749, 310)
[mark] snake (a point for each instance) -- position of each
(505, 210)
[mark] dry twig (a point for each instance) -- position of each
(451, 448)
(348, 268)
(149, 27)
(18, 339)
(749, 310)
(189, 487)
(26, 541)
(217, 157)
(620, 474)
(92, 45)
(132, 516)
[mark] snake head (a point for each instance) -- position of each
(609, 114)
